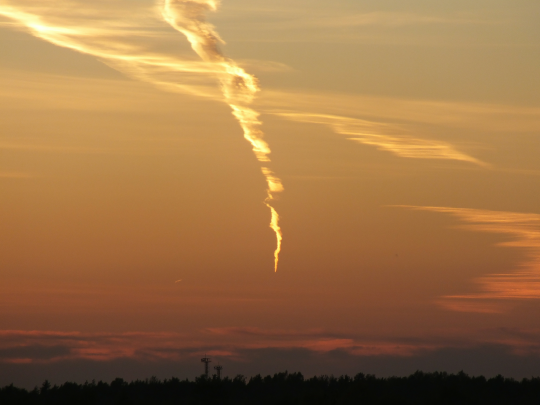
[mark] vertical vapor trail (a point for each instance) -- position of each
(238, 86)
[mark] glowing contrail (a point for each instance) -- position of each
(239, 87)
(274, 186)
(106, 37)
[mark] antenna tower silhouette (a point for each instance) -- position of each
(218, 369)
(206, 361)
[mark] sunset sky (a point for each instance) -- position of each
(328, 187)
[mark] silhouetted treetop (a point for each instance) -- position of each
(287, 389)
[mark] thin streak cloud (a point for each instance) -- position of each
(46, 346)
(523, 284)
(498, 118)
(42, 347)
(386, 137)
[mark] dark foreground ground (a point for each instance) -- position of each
(285, 388)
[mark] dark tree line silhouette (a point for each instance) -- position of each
(286, 389)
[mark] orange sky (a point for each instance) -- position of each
(134, 217)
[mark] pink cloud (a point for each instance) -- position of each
(23, 347)
(524, 229)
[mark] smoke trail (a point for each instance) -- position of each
(121, 43)
(274, 186)
(238, 86)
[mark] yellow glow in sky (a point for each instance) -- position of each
(134, 215)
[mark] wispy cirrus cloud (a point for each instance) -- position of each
(521, 284)
(142, 46)
(411, 127)
(492, 117)
(137, 43)
(386, 137)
